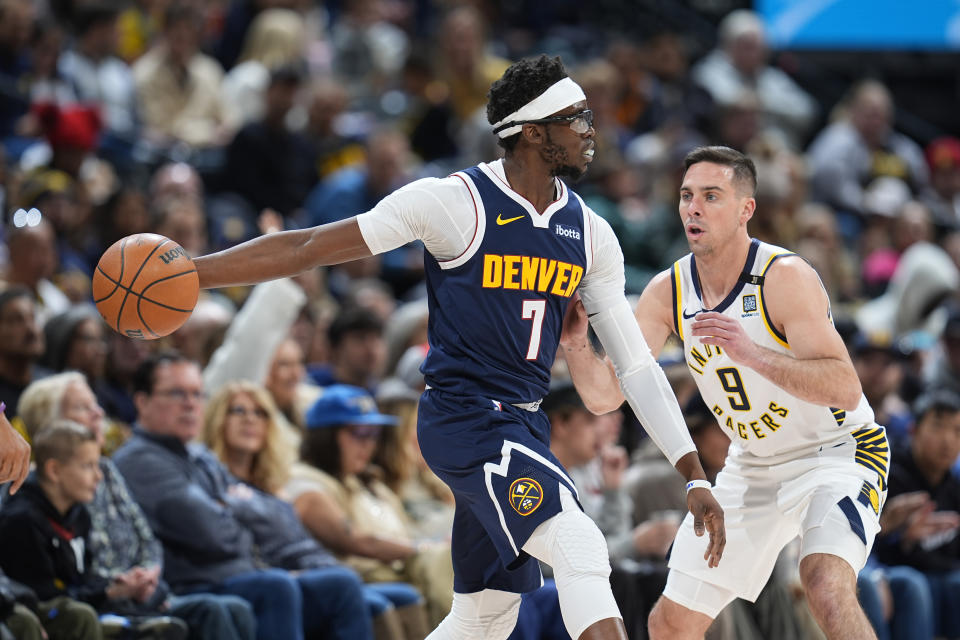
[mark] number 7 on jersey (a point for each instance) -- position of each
(534, 310)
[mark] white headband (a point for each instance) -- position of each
(559, 95)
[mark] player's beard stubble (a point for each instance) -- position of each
(557, 155)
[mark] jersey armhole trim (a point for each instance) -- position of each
(767, 320)
(478, 230)
(587, 232)
(676, 287)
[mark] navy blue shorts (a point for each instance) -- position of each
(496, 458)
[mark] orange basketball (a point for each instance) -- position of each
(145, 286)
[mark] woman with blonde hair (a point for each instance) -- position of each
(243, 427)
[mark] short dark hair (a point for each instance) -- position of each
(353, 320)
(520, 83)
(94, 15)
(744, 171)
(938, 402)
(145, 376)
(14, 292)
(59, 441)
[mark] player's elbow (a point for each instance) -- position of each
(852, 393)
(603, 403)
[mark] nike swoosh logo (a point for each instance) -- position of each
(501, 221)
(692, 315)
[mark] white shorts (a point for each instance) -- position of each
(830, 498)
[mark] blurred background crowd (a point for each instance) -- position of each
(269, 444)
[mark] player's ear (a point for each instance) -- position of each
(533, 133)
(748, 207)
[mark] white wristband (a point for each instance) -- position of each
(699, 484)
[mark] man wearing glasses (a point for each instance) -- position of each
(183, 488)
(508, 246)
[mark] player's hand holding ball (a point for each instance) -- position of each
(145, 286)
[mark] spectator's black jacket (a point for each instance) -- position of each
(941, 553)
(48, 551)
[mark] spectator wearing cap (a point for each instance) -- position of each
(71, 131)
(341, 499)
(208, 544)
(858, 147)
(268, 165)
(925, 535)
(243, 428)
(943, 159)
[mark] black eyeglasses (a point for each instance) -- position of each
(580, 122)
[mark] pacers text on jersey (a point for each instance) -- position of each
(528, 273)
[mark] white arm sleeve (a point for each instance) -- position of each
(438, 211)
(643, 382)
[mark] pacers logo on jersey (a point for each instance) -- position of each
(526, 494)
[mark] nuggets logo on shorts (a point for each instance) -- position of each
(526, 494)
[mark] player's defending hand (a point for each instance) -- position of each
(725, 332)
(14, 454)
(708, 515)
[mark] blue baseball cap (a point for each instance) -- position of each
(345, 404)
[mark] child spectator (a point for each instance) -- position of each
(46, 528)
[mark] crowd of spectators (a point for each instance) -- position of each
(236, 479)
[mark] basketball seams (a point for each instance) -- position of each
(134, 280)
(168, 305)
(151, 300)
(116, 283)
(141, 297)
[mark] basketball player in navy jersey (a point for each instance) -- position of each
(806, 458)
(508, 245)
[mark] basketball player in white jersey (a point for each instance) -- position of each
(806, 458)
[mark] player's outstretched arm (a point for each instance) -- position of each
(284, 254)
(645, 387)
(818, 368)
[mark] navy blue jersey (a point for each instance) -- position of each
(496, 312)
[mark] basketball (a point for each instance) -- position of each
(145, 286)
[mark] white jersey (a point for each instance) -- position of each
(765, 423)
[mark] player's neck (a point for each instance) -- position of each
(529, 178)
(720, 269)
